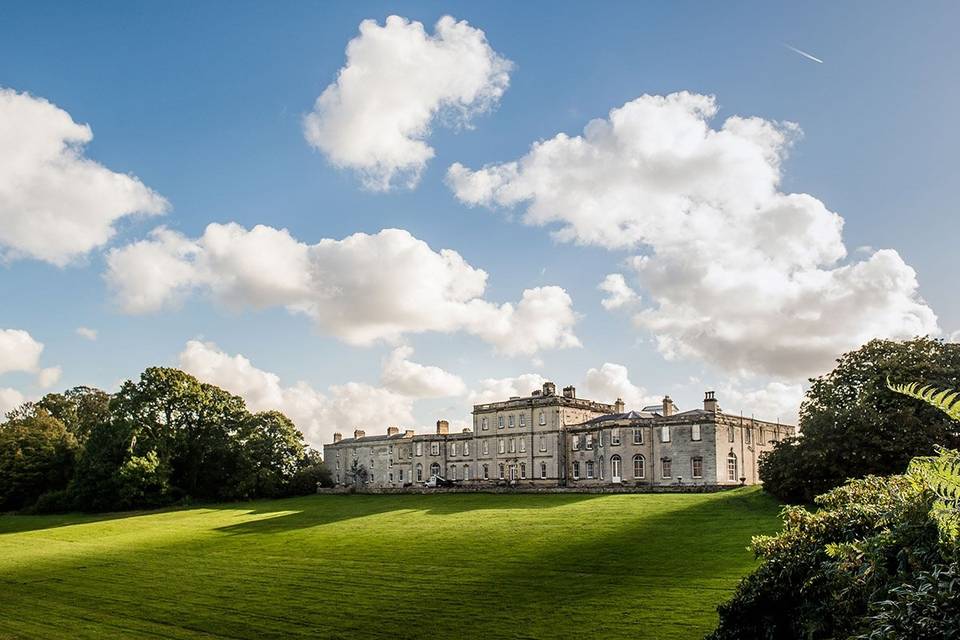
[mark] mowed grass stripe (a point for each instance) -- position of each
(466, 565)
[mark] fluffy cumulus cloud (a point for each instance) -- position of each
(10, 399)
(362, 289)
(496, 389)
(399, 81)
(49, 376)
(317, 414)
(56, 204)
(737, 272)
(19, 351)
(619, 293)
(402, 375)
(87, 333)
(612, 381)
(774, 401)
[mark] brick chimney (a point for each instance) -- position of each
(618, 406)
(549, 389)
(668, 406)
(392, 431)
(710, 402)
(443, 427)
(570, 391)
(359, 433)
(408, 433)
(337, 437)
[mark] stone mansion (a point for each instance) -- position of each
(551, 440)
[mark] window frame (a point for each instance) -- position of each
(695, 430)
(694, 462)
(638, 435)
(643, 467)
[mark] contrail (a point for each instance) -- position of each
(803, 53)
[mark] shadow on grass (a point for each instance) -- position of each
(329, 509)
(651, 566)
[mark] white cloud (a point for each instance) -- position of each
(49, 376)
(10, 399)
(86, 332)
(773, 401)
(416, 380)
(612, 381)
(739, 273)
(619, 293)
(56, 204)
(496, 389)
(362, 289)
(19, 351)
(318, 415)
(398, 81)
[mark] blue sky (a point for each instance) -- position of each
(203, 103)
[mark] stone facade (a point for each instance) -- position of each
(551, 440)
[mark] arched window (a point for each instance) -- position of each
(576, 470)
(639, 467)
(486, 472)
(419, 472)
(501, 472)
(435, 469)
(589, 468)
(543, 470)
(453, 472)
(732, 467)
(615, 468)
(523, 470)
(466, 472)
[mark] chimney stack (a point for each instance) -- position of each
(443, 427)
(570, 391)
(549, 389)
(668, 406)
(618, 406)
(359, 433)
(710, 402)
(337, 437)
(408, 433)
(392, 431)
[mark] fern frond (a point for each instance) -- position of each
(946, 400)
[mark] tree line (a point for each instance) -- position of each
(164, 439)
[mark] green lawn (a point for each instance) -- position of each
(447, 566)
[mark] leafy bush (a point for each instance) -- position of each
(853, 425)
(855, 567)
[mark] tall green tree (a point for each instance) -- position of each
(271, 452)
(852, 425)
(189, 425)
(80, 409)
(36, 456)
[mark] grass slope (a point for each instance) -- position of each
(452, 566)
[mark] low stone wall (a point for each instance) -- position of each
(420, 490)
